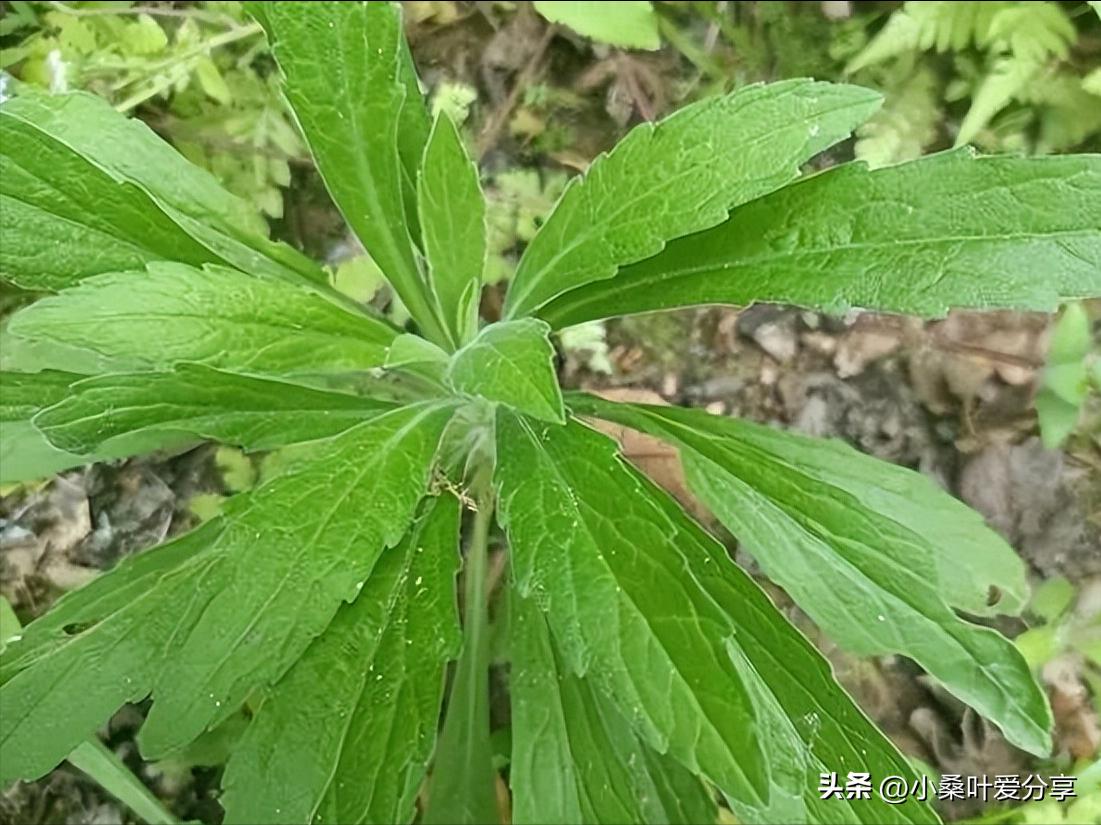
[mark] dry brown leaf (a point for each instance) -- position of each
(1076, 724)
(658, 460)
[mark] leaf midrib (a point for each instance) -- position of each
(567, 305)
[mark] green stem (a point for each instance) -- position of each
(463, 781)
(703, 62)
(103, 765)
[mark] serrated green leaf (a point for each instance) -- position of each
(347, 733)
(574, 757)
(452, 216)
(52, 141)
(80, 610)
(511, 362)
(630, 23)
(254, 413)
(25, 453)
(651, 610)
(947, 231)
(354, 53)
(57, 233)
(974, 569)
(874, 554)
(680, 176)
(236, 614)
(1007, 78)
(219, 317)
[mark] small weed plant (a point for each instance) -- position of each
(649, 677)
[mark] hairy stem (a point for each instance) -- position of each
(463, 786)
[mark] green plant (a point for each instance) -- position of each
(645, 668)
(195, 72)
(1061, 624)
(1067, 378)
(632, 24)
(1028, 71)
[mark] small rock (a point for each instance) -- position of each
(722, 386)
(860, 347)
(778, 340)
(820, 342)
(773, 329)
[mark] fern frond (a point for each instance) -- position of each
(1049, 111)
(948, 26)
(1006, 80)
(1030, 31)
(899, 36)
(1033, 30)
(923, 26)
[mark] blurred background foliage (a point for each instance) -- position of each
(1003, 75)
(199, 74)
(541, 88)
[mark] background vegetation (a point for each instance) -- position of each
(999, 409)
